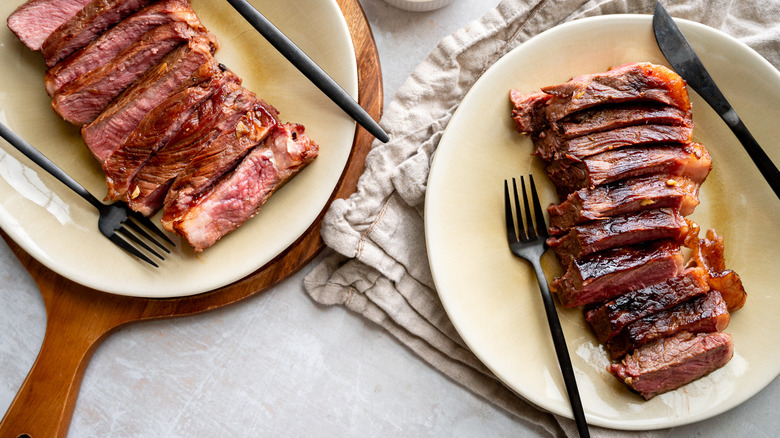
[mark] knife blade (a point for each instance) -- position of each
(686, 63)
(308, 67)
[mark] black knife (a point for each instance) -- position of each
(682, 58)
(309, 68)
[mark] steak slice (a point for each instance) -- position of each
(211, 163)
(628, 82)
(157, 128)
(608, 117)
(110, 129)
(625, 196)
(691, 160)
(104, 48)
(708, 254)
(602, 276)
(670, 363)
(239, 195)
(610, 318)
(35, 20)
(703, 314)
(85, 26)
(528, 111)
(83, 99)
(551, 147)
(612, 232)
(213, 117)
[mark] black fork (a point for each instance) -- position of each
(529, 243)
(123, 226)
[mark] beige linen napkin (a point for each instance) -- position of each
(380, 268)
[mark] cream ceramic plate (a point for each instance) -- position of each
(60, 229)
(492, 297)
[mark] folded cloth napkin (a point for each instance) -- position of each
(380, 268)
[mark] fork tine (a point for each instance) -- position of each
(143, 220)
(541, 224)
(120, 242)
(530, 230)
(133, 226)
(510, 219)
(520, 228)
(135, 239)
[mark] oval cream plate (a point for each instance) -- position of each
(60, 230)
(492, 297)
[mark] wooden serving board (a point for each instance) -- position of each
(79, 318)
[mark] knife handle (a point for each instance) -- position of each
(765, 166)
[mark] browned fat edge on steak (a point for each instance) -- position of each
(213, 117)
(240, 194)
(622, 230)
(35, 20)
(703, 314)
(626, 196)
(609, 319)
(609, 117)
(708, 253)
(604, 275)
(157, 128)
(108, 45)
(551, 147)
(211, 163)
(85, 26)
(691, 160)
(107, 132)
(670, 363)
(83, 99)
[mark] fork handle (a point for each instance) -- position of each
(562, 352)
(38, 158)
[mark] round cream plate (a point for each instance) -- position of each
(492, 297)
(59, 229)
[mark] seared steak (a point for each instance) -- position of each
(608, 117)
(610, 318)
(213, 117)
(85, 26)
(240, 194)
(568, 174)
(104, 48)
(626, 196)
(83, 99)
(604, 275)
(703, 314)
(110, 129)
(157, 128)
(708, 254)
(528, 111)
(211, 163)
(35, 20)
(672, 362)
(612, 232)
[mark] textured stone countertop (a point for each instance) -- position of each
(278, 364)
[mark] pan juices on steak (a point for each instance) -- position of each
(173, 129)
(618, 148)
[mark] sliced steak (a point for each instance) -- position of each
(708, 253)
(626, 196)
(603, 276)
(528, 111)
(214, 117)
(622, 230)
(110, 129)
(157, 128)
(670, 363)
(83, 99)
(551, 147)
(691, 160)
(211, 163)
(612, 317)
(703, 314)
(35, 20)
(103, 49)
(608, 117)
(628, 82)
(240, 195)
(85, 26)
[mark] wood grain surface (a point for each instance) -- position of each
(79, 318)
